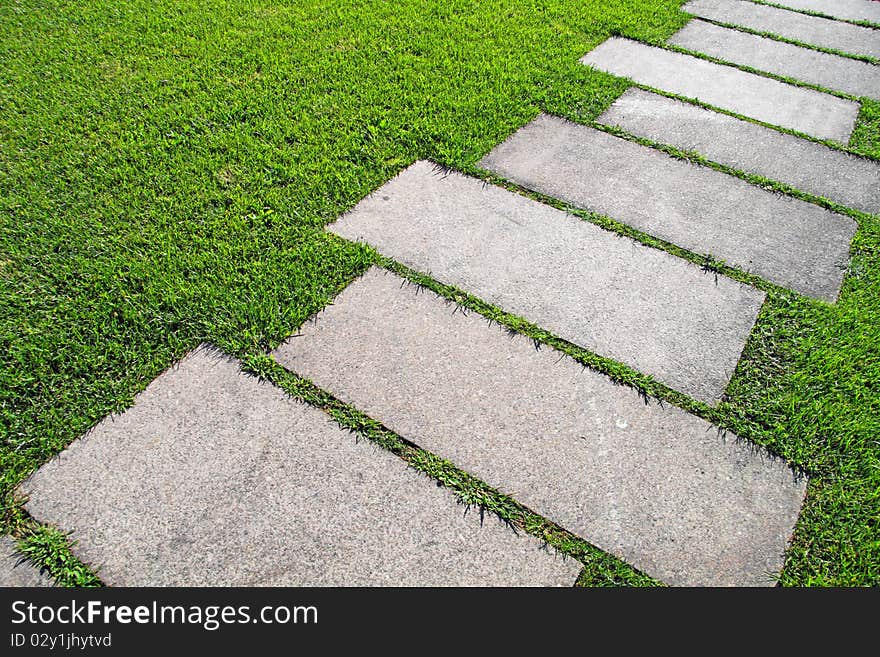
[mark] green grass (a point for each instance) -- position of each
(50, 548)
(166, 169)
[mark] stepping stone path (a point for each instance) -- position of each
(850, 76)
(607, 293)
(650, 483)
(796, 108)
(15, 571)
(239, 484)
(787, 241)
(213, 478)
(806, 165)
(811, 30)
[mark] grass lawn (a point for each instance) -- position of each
(166, 169)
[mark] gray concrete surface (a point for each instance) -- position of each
(805, 110)
(813, 30)
(15, 571)
(833, 72)
(808, 166)
(641, 306)
(787, 241)
(854, 10)
(214, 478)
(652, 484)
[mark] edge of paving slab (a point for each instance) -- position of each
(799, 475)
(371, 219)
(572, 564)
(16, 570)
(20, 491)
(827, 290)
(844, 104)
(818, 13)
(608, 121)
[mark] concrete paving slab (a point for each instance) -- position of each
(809, 111)
(785, 240)
(213, 478)
(652, 484)
(853, 10)
(812, 30)
(15, 571)
(850, 76)
(808, 166)
(641, 306)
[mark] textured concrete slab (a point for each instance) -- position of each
(652, 484)
(15, 571)
(850, 76)
(787, 241)
(587, 285)
(812, 30)
(214, 478)
(805, 110)
(853, 10)
(808, 166)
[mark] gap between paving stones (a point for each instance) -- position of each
(865, 12)
(668, 125)
(788, 63)
(609, 295)
(647, 388)
(822, 32)
(769, 184)
(202, 431)
(806, 110)
(806, 249)
(673, 47)
(597, 567)
(698, 158)
(707, 263)
(782, 39)
(650, 390)
(471, 491)
(416, 329)
(843, 148)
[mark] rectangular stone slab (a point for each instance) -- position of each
(805, 110)
(812, 30)
(850, 76)
(214, 478)
(646, 308)
(806, 165)
(652, 484)
(15, 571)
(853, 10)
(785, 240)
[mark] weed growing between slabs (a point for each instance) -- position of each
(166, 171)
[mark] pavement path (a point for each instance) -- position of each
(238, 484)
